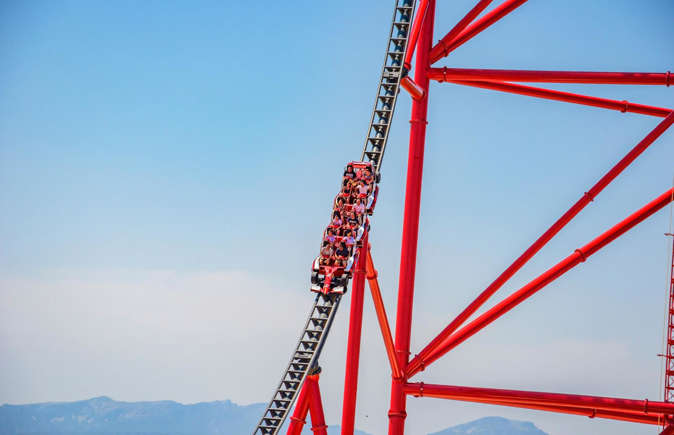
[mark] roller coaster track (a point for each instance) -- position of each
(389, 84)
(304, 359)
(300, 380)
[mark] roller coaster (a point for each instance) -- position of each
(345, 255)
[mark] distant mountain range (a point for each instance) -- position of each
(104, 416)
(493, 426)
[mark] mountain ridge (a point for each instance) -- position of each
(492, 426)
(102, 415)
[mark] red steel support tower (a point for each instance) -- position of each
(408, 255)
(403, 369)
(656, 413)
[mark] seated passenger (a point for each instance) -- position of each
(349, 241)
(349, 172)
(339, 203)
(336, 220)
(353, 220)
(363, 189)
(327, 253)
(342, 255)
(366, 175)
(359, 207)
(360, 175)
(329, 236)
(347, 187)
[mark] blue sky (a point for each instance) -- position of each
(166, 170)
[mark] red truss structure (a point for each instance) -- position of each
(657, 413)
(403, 368)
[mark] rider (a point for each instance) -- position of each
(359, 207)
(342, 254)
(349, 172)
(326, 254)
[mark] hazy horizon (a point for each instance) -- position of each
(167, 168)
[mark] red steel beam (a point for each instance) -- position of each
(655, 419)
(318, 426)
(578, 256)
(438, 52)
(414, 90)
(567, 97)
(421, 390)
(669, 430)
(353, 345)
(541, 398)
(607, 78)
(410, 232)
(414, 35)
(297, 420)
(442, 46)
(421, 360)
(381, 316)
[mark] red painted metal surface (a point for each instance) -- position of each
(640, 411)
(669, 352)
(415, 162)
(414, 35)
(422, 359)
(587, 412)
(606, 78)
(568, 97)
(440, 51)
(308, 401)
(442, 47)
(410, 86)
(353, 345)
(636, 410)
(298, 419)
(578, 256)
(318, 425)
(382, 317)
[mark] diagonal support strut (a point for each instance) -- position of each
(443, 48)
(382, 317)
(567, 97)
(577, 257)
(421, 359)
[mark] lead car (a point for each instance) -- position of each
(342, 239)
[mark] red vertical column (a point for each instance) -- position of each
(353, 346)
(318, 425)
(408, 256)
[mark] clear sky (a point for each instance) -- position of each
(166, 170)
